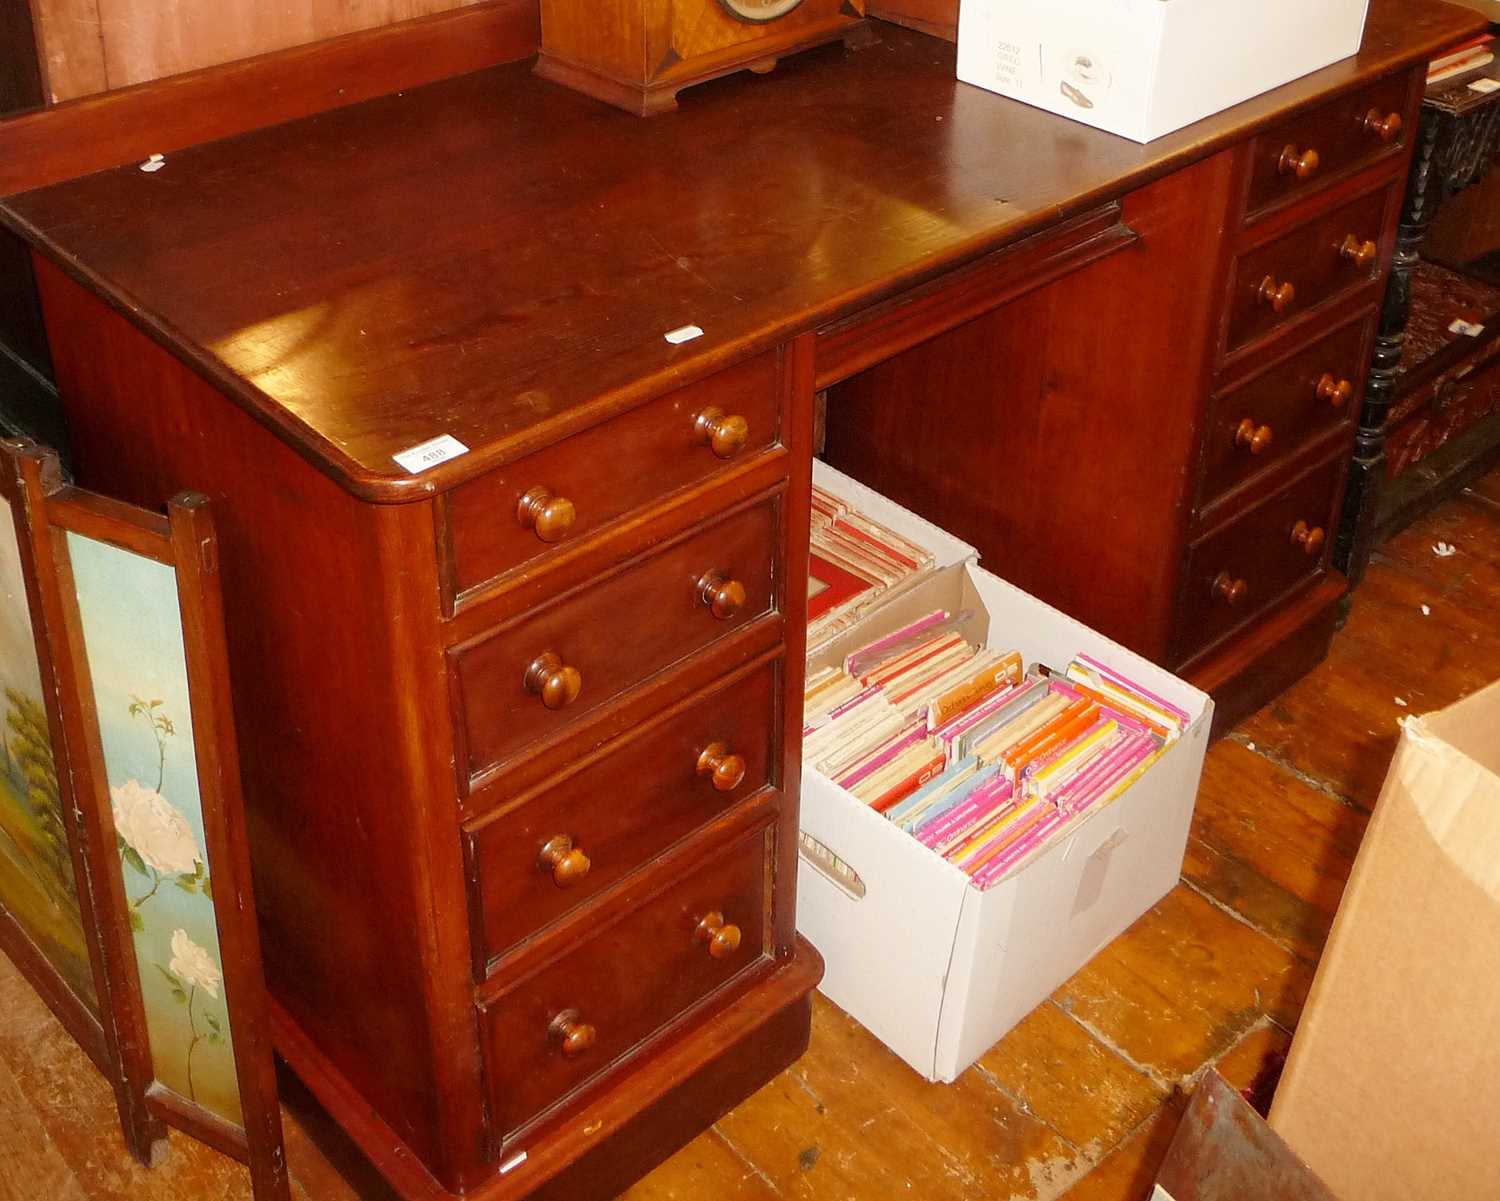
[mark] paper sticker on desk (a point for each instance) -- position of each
(429, 454)
(1485, 86)
(1467, 328)
(683, 333)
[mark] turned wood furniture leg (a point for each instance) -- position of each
(1424, 193)
(1455, 147)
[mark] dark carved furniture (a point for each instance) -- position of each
(1433, 390)
(522, 729)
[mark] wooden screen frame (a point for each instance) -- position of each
(100, 1035)
(183, 540)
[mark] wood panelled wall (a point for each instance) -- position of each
(20, 80)
(92, 46)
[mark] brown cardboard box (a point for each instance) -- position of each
(1392, 1087)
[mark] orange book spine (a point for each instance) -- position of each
(1007, 672)
(1070, 723)
(904, 788)
(1155, 727)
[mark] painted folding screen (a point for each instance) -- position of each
(134, 624)
(46, 924)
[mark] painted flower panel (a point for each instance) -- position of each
(132, 632)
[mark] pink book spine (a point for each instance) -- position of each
(1130, 685)
(935, 618)
(1122, 779)
(868, 767)
(858, 699)
(985, 801)
(1128, 757)
(1127, 720)
(1106, 768)
(982, 856)
(1058, 684)
(967, 721)
(998, 867)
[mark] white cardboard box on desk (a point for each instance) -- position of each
(935, 968)
(1142, 68)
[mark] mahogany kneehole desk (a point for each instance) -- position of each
(521, 733)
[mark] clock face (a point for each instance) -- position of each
(758, 11)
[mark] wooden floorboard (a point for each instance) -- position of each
(1082, 1098)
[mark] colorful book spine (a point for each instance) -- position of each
(983, 803)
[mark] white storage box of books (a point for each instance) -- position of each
(940, 963)
(1142, 68)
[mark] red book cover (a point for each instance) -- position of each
(829, 586)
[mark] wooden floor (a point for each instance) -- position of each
(1081, 1099)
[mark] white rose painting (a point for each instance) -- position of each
(156, 840)
(133, 637)
(157, 833)
(192, 968)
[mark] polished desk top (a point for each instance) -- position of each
(497, 258)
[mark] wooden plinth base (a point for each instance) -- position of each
(1277, 653)
(648, 99)
(626, 1130)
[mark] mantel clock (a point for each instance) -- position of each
(637, 54)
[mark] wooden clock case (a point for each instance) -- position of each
(637, 54)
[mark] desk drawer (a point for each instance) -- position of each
(1331, 254)
(1300, 155)
(534, 863)
(1245, 568)
(1270, 417)
(551, 1033)
(580, 487)
(540, 674)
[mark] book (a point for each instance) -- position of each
(830, 586)
(854, 563)
(1472, 61)
(981, 760)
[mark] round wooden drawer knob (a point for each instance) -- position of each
(723, 596)
(1361, 254)
(572, 1035)
(552, 680)
(567, 863)
(722, 938)
(1228, 589)
(725, 434)
(549, 517)
(725, 769)
(1278, 296)
(1309, 538)
(1252, 437)
(1335, 391)
(1303, 164)
(1383, 127)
